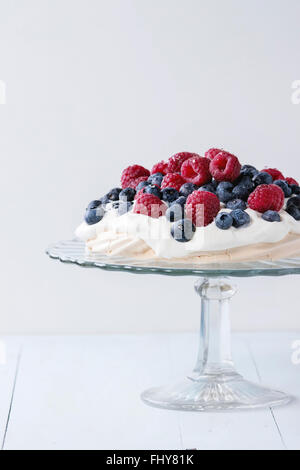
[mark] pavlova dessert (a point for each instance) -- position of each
(198, 209)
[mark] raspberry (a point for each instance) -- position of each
(160, 167)
(276, 174)
(172, 180)
(225, 167)
(132, 173)
(133, 183)
(150, 205)
(291, 181)
(175, 162)
(196, 170)
(266, 197)
(212, 153)
(202, 207)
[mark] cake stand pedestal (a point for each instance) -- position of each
(214, 384)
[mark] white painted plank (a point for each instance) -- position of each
(84, 393)
(273, 355)
(253, 429)
(9, 355)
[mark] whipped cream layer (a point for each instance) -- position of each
(130, 228)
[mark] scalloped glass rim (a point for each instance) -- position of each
(73, 251)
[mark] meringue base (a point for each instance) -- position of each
(118, 245)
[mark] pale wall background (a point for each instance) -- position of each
(95, 85)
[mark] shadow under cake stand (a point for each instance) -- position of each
(214, 384)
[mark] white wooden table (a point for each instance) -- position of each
(83, 392)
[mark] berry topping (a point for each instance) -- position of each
(249, 170)
(175, 162)
(160, 167)
(284, 186)
(202, 207)
(225, 167)
(132, 173)
(170, 195)
(172, 180)
(127, 194)
(293, 201)
(208, 187)
(176, 210)
(94, 213)
(94, 204)
(113, 194)
(295, 188)
(183, 230)
(223, 220)
(196, 170)
(187, 188)
(240, 218)
(135, 183)
(293, 211)
(236, 204)
(124, 207)
(224, 191)
(142, 184)
(266, 197)
(156, 178)
(150, 205)
(291, 181)
(153, 189)
(212, 153)
(242, 190)
(262, 178)
(271, 216)
(276, 174)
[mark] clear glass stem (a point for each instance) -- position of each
(214, 383)
(214, 355)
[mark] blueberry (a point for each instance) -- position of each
(224, 191)
(271, 216)
(294, 211)
(181, 200)
(94, 204)
(249, 170)
(295, 188)
(236, 204)
(141, 185)
(246, 181)
(208, 187)
(124, 207)
(262, 178)
(113, 194)
(293, 201)
(153, 189)
(284, 186)
(183, 230)
(104, 200)
(187, 189)
(223, 220)
(214, 183)
(156, 178)
(175, 212)
(170, 195)
(94, 215)
(239, 218)
(127, 194)
(241, 191)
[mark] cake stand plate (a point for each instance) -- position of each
(214, 384)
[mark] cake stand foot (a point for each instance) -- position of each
(214, 383)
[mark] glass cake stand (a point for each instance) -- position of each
(214, 384)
